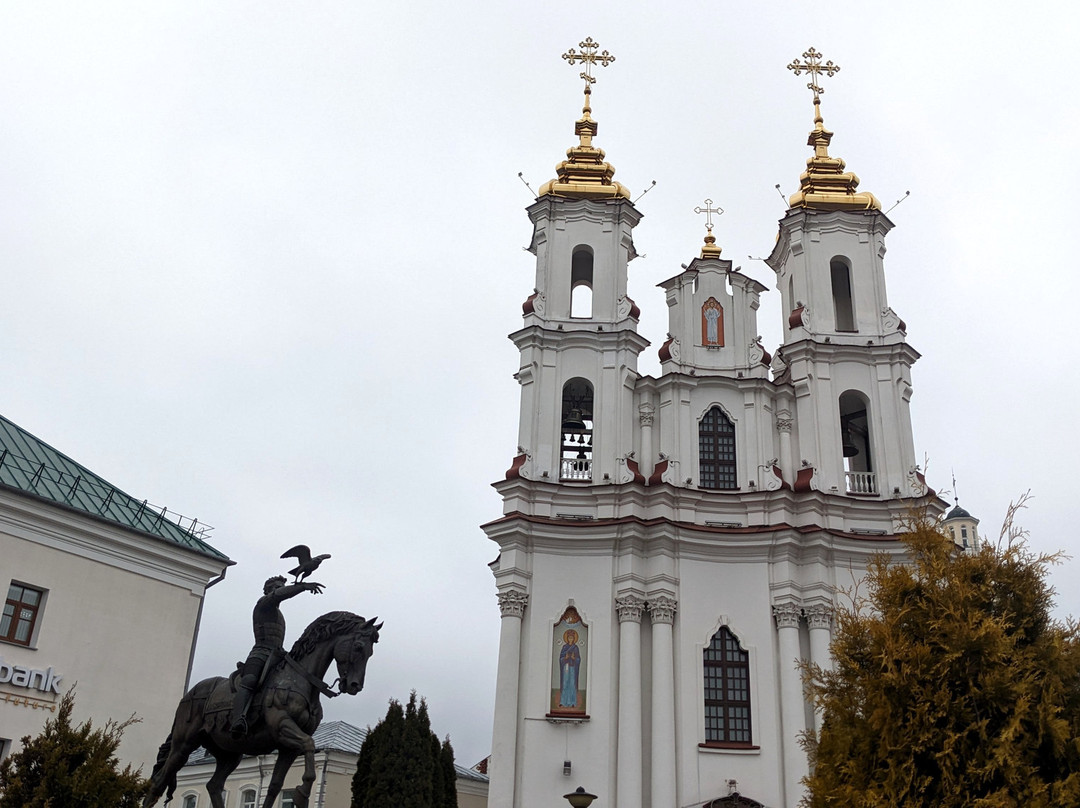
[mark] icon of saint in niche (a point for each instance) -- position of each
(569, 662)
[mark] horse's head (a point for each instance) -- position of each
(351, 652)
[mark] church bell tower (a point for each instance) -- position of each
(844, 350)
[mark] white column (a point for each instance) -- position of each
(787, 460)
(628, 773)
(819, 619)
(502, 772)
(647, 462)
(662, 612)
(792, 703)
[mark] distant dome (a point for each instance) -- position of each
(958, 513)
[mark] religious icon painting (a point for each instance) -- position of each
(712, 323)
(569, 655)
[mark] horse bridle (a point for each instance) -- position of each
(313, 680)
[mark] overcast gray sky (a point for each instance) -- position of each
(259, 260)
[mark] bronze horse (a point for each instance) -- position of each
(285, 713)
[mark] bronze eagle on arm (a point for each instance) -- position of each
(307, 564)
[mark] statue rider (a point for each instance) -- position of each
(269, 625)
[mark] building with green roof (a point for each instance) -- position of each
(103, 589)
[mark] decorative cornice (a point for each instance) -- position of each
(662, 609)
(787, 615)
(512, 602)
(629, 608)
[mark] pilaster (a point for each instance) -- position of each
(628, 772)
(503, 769)
(662, 612)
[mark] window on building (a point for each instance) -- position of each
(21, 611)
(288, 799)
(843, 307)
(716, 451)
(581, 282)
(191, 801)
(247, 798)
(5, 748)
(727, 690)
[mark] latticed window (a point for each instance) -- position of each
(247, 798)
(727, 690)
(716, 450)
(20, 614)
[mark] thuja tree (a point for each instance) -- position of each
(402, 762)
(952, 685)
(75, 767)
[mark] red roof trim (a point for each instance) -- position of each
(802, 479)
(514, 472)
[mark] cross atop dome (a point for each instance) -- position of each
(709, 249)
(814, 68)
(588, 57)
(825, 185)
(584, 174)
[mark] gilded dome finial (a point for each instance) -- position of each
(825, 185)
(709, 249)
(584, 174)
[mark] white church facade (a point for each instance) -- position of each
(670, 547)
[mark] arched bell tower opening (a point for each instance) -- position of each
(581, 282)
(855, 440)
(843, 305)
(575, 462)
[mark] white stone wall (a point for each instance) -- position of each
(119, 620)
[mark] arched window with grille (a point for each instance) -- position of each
(716, 451)
(727, 690)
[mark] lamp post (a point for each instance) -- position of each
(579, 798)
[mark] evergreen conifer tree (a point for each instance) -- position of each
(449, 775)
(402, 762)
(952, 685)
(75, 767)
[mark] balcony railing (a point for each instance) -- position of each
(861, 482)
(576, 469)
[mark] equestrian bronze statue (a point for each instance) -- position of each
(271, 702)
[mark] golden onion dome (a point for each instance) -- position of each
(584, 174)
(825, 185)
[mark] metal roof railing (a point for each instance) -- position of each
(89, 493)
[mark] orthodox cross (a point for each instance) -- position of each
(709, 210)
(814, 68)
(588, 57)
